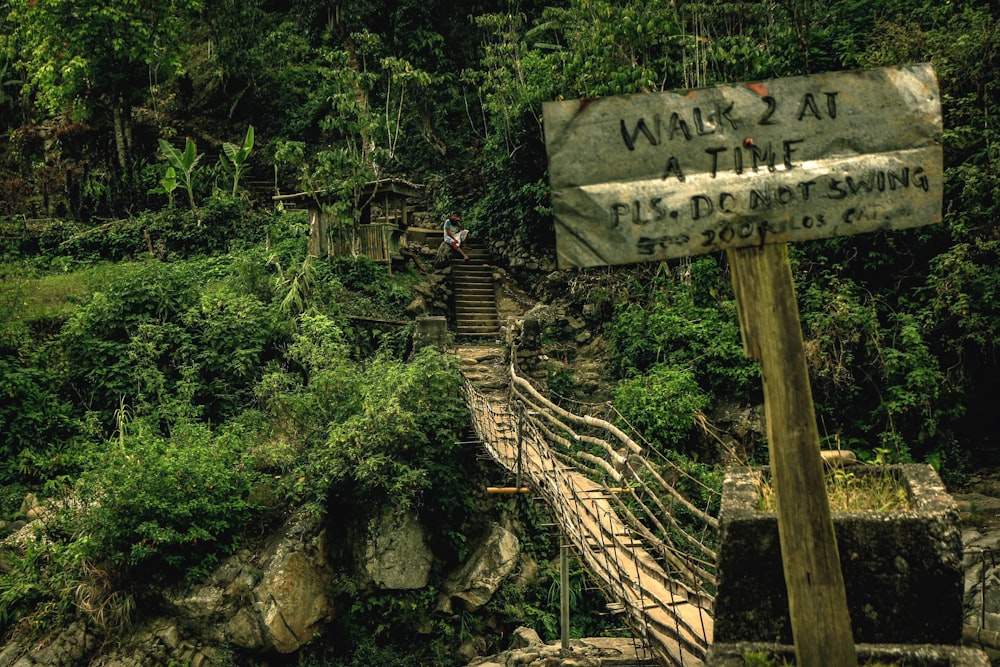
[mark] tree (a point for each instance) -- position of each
(97, 59)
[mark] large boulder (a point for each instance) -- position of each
(273, 600)
(472, 585)
(393, 554)
(292, 595)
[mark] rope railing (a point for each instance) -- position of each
(630, 537)
(621, 466)
(613, 415)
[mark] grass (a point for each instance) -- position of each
(870, 491)
(55, 296)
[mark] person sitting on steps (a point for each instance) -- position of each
(455, 234)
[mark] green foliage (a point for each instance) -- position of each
(386, 628)
(76, 51)
(560, 379)
(701, 482)
(399, 442)
(838, 319)
(167, 185)
(318, 389)
(183, 164)
(40, 587)
(369, 289)
(295, 288)
(351, 154)
(158, 332)
(607, 48)
(160, 506)
(220, 224)
(674, 331)
(662, 405)
(234, 158)
(34, 419)
(877, 377)
(911, 400)
(762, 659)
(536, 604)
(901, 328)
(360, 273)
(367, 433)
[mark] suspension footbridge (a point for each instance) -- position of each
(640, 524)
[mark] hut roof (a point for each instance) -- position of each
(397, 186)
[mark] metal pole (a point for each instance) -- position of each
(520, 427)
(564, 592)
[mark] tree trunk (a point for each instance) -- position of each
(121, 135)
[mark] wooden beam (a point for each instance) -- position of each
(769, 321)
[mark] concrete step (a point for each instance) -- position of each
(475, 308)
(477, 331)
(477, 322)
(472, 310)
(475, 295)
(480, 336)
(479, 317)
(478, 313)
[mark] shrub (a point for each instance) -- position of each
(662, 405)
(158, 333)
(318, 387)
(398, 440)
(41, 584)
(673, 330)
(33, 418)
(170, 233)
(162, 506)
(231, 335)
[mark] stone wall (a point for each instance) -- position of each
(902, 569)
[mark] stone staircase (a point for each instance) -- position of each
(475, 297)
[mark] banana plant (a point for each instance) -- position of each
(167, 185)
(237, 156)
(183, 164)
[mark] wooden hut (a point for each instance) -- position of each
(387, 206)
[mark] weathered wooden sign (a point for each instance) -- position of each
(647, 177)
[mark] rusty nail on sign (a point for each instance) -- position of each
(646, 177)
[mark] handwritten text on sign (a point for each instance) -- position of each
(646, 177)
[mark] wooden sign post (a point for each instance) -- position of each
(769, 322)
(746, 169)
